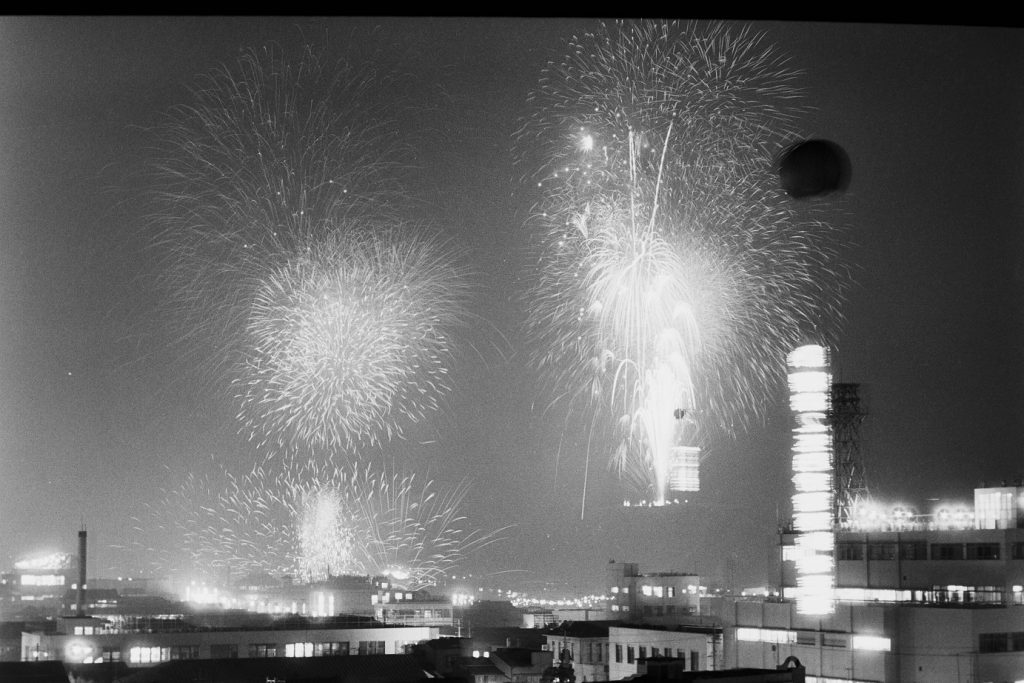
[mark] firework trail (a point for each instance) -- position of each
(310, 521)
(280, 185)
(671, 274)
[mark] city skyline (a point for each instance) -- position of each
(101, 412)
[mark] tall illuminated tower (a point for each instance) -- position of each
(810, 384)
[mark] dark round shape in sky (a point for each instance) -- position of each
(813, 168)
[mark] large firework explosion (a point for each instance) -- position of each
(280, 214)
(349, 338)
(671, 274)
(311, 520)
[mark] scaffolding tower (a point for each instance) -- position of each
(845, 417)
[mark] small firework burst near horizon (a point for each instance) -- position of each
(310, 521)
(671, 274)
(281, 216)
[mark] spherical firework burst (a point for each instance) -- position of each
(279, 187)
(671, 274)
(349, 338)
(310, 521)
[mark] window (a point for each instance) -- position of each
(298, 650)
(184, 652)
(681, 656)
(914, 550)
(149, 655)
(670, 591)
(371, 647)
(947, 551)
(655, 652)
(646, 590)
(1018, 551)
(618, 653)
(263, 650)
(982, 551)
(849, 551)
(881, 551)
(1017, 641)
(694, 660)
(630, 654)
(833, 640)
(659, 591)
(806, 638)
(221, 651)
(643, 652)
(993, 642)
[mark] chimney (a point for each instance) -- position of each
(81, 573)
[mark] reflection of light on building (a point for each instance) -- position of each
(809, 384)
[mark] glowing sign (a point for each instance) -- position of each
(814, 548)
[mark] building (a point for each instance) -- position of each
(652, 598)
(88, 640)
(936, 597)
(37, 585)
(521, 665)
(584, 644)
(696, 648)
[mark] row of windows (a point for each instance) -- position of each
(156, 654)
(1001, 642)
(307, 649)
(919, 550)
(649, 591)
(640, 652)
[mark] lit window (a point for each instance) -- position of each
(877, 643)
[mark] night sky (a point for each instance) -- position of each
(99, 412)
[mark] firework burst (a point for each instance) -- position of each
(349, 338)
(311, 521)
(280, 213)
(671, 274)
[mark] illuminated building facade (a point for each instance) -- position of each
(85, 641)
(37, 583)
(810, 384)
(661, 597)
(935, 597)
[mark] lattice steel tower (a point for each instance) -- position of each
(845, 416)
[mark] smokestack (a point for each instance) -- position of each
(81, 573)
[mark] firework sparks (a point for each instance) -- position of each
(671, 274)
(312, 521)
(349, 338)
(279, 215)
